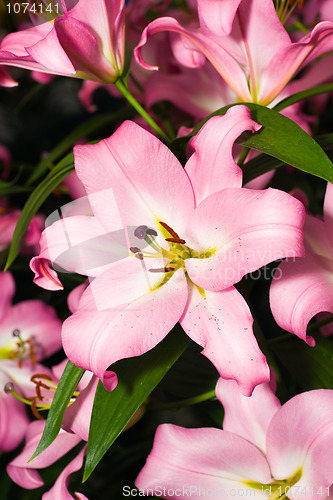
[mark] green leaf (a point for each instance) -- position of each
(137, 377)
(35, 201)
(92, 124)
(280, 138)
(70, 378)
(8, 188)
(310, 367)
(305, 94)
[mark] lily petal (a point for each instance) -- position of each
(139, 182)
(302, 289)
(7, 287)
(200, 461)
(218, 16)
(306, 424)
(221, 323)
(121, 303)
(59, 490)
(213, 148)
(22, 471)
(248, 417)
(246, 229)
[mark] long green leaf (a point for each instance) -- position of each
(70, 378)
(310, 367)
(35, 201)
(91, 125)
(137, 377)
(280, 138)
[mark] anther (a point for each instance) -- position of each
(151, 232)
(9, 387)
(140, 232)
(16, 332)
(137, 252)
(161, 270)
(176, 240)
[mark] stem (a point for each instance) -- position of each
(137, 106)
(310, 329)
(317, 325)
(187, 402)
(243, 157)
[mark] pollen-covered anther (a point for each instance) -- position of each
(162, 270)
(174, 236)
(176, 240)
(137, 252)
(140, 232)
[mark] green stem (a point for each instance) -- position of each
(319, 324)
(186, 402)
(243, 157)
(310, 329)
(137, 106)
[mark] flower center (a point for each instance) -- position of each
(279, 489)
(45, 390)
(19, 350)
(177, 254)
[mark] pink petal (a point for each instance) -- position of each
(198, 44)
(83, 49)
(7, 290)
(24, 472)
(249, 417)
(201, 460)
(105, 19)
(212, 168)
(16, 43)
(5, 79)
(301, 289)
(80, 244)
(13, 422)
(245, 229)
(287, 61)
(59, 490)
(77, 416)
(328, 207)
(140, 179)
(300, 436)
(218, 16)
(122, 303)
(221, 323)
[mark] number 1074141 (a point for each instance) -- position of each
(33, 8)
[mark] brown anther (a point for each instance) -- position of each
(169, 229)
(176, 240)
(34, 410)
(161, 270)
(137, 252)
(40, 375)
(31, 352)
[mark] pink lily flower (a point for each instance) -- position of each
(256, 58)
(303, 287)
(265, 450)
(29, 332)
(86, 42)
(191, 234)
